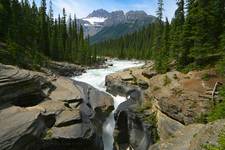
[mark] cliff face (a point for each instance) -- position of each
(165, 110)
(101, 24)
(43, 112)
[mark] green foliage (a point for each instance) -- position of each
(149, 119)
(202, 119)
(1, 7)
(156, 88)
(217, 111)
(34, 29)
(116, 31)
(191, 39)
(152, 121)
(161, 64)
(188, 68)
(194, 41)
(48, 134)
(220, 67)
(15, 54)
(222, 91)
(144, 106)
(206, 77)
(221, 143)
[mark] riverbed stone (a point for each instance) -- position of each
(143, 84)
(192, 137)
(20, 127)
(149, 73)
(67, 115)
(21, 87)
(177, 98)
(65, 69)
(127, 77)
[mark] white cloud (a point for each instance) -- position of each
(71, 6)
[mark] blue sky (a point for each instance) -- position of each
(83, 7)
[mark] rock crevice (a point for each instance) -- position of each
(163, 115)
(42, 112)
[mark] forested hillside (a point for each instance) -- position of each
(30, 35)
(194, 38)
(120, 29)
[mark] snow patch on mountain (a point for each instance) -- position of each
(95, 20)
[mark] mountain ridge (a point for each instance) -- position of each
(100, 24)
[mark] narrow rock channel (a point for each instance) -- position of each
(96, 78)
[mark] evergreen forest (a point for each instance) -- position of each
(33, 35)
(195, 37)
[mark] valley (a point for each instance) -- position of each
(146, 75)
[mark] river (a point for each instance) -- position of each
(96, 78)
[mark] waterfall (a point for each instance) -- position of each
(96, 78)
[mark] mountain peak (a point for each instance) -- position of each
(134, 15)
(100, 22)
(137, 12)
(101, 13)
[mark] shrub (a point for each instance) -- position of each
(15, 54)
(220, 67)
(217, 111)
(156, 88)
(166, 80)
(144, 106)
(48, 134)
(152, 121)
(221, 143)
(206, 77)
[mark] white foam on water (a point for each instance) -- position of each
(96, 78)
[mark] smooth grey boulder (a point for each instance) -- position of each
(65, 69)
(130, 130)
(50, 113)
(21, 87)
(22, 128)
(143, 84)
(100, 102)
(149, 73)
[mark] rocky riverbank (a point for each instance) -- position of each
(44, 111)
(162, 109)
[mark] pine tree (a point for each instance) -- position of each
(30, 27)
(64, 32)
(70, 38)
(81, 45)
(51, 27)
(34, 25)
(200, 33)
(166, 38)
(51, 16)
(160, 10)
(177, 29)
(55, 45)
(159, 27)
(81, 40)
(5, 18)
(222, 36)
(44, 36)
(15, 26)
(75, 39)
